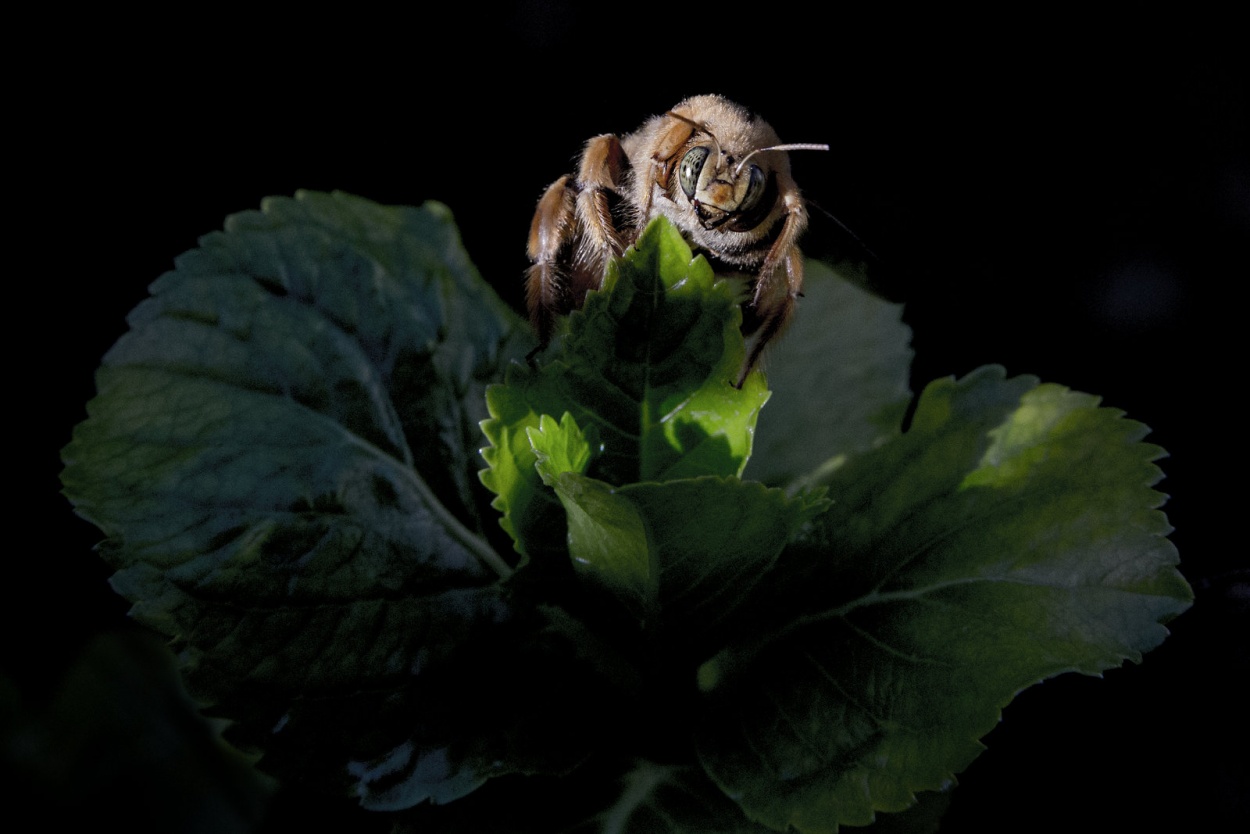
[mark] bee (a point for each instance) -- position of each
(720, 174)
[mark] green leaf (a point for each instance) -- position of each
(1010, 535)
(654, 357)
(839, 380)
(713, 539)
(559, 447)
(281, 456)
(685, 551)
(648, 366)
(607, 537)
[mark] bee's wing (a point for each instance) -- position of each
(830, 240)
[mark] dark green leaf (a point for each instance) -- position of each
(1010, 535)
(660, 799)
(839, 380)
(281, 454)
(640, 797)
(118, 719)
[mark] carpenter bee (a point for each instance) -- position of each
(720, 174)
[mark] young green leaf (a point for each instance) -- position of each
(1010, 535)
(280, 455)
(648, 365)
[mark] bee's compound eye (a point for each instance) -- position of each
(755, 190)
(691, 165)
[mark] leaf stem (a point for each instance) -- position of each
(463, 535)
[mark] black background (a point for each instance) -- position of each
(1066, 200)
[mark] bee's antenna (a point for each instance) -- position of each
(801, 146)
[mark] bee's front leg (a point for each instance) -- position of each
(774, 304)
(782, 249)
(774, 311)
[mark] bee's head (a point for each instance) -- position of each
(725, 190)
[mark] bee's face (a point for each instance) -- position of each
(724, 191)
